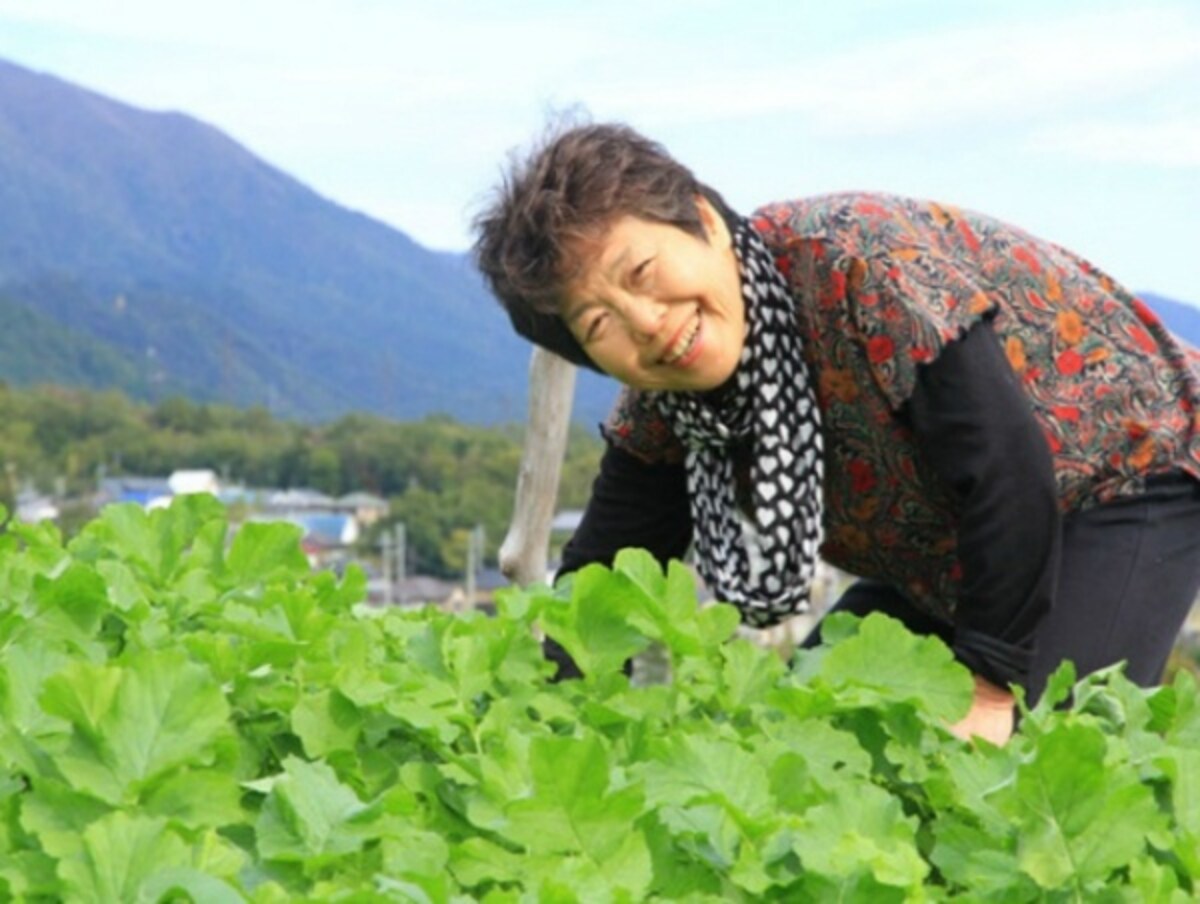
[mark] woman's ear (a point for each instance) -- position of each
(714, 224)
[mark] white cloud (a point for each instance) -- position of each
(1162, 144)
(985, 72)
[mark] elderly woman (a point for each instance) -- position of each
(995, 436)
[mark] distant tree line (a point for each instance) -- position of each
(440, 477)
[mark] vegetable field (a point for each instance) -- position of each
(183, 718)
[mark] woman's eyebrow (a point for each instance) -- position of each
(579, 311)
(614, 270)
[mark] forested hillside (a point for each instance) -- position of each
(440, 476)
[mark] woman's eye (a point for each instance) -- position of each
(642, 270)
(595, 327)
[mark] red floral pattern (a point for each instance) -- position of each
(882, 284)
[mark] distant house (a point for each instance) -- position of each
(251, 497)
(327, 530)
(157, 492)
(145, 491)
(366, 507)
(33, 507)
(194, 481)
(298, 499)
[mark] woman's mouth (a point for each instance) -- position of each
(682, 349)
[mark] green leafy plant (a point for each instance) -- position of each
(189, 717)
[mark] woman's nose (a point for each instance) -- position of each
(644, 317)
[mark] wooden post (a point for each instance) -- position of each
(524, 552)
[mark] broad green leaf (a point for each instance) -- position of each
(119, 854)
(125, 591)
(325, 722)
(29, 876)
(1152, 881)
(816, 759)
(1185, 727)
(343, 595)
(468, 657)
(154, 541)
(43, 549)
(643, 571)
(309, 815)
(479, 860)
(196, 799)
(199, 887)
(1182, 767)
(691, 767)
(70, 605)
(261, 550)
(709, 787)
(410, 851)
(82, 694)
(521, 604)
(1077, 819)
(749, 672)
(166, 713)
(594, 627)
(24, 668)
(678, 876)
(717, 623)
(573, 807)
(839, 626)
(136, 722)
(975, 781)
(1057, 691)
(893, 665)
(57, 816)
(979, 861)
(863, 832)
(815, 888)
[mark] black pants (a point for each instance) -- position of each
(1129, 573)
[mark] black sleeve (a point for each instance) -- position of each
(633, 503)
(974, 425)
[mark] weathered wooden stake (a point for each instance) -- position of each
(524, 552)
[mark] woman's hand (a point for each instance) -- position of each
(991, 714)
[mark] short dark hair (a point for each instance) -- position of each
(574, 184)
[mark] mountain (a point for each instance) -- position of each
(148, 251)
(1180, 318)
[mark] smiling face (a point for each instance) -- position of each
(659, 308)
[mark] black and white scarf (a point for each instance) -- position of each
(763, 562)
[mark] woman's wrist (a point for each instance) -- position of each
(991, 715)
(992, 695)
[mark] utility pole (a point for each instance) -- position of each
(475, 541)
(470, 600)
(385, 544)
(401, 546)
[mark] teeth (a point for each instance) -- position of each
(684, 345)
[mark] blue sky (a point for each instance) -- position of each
(1079, 121)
